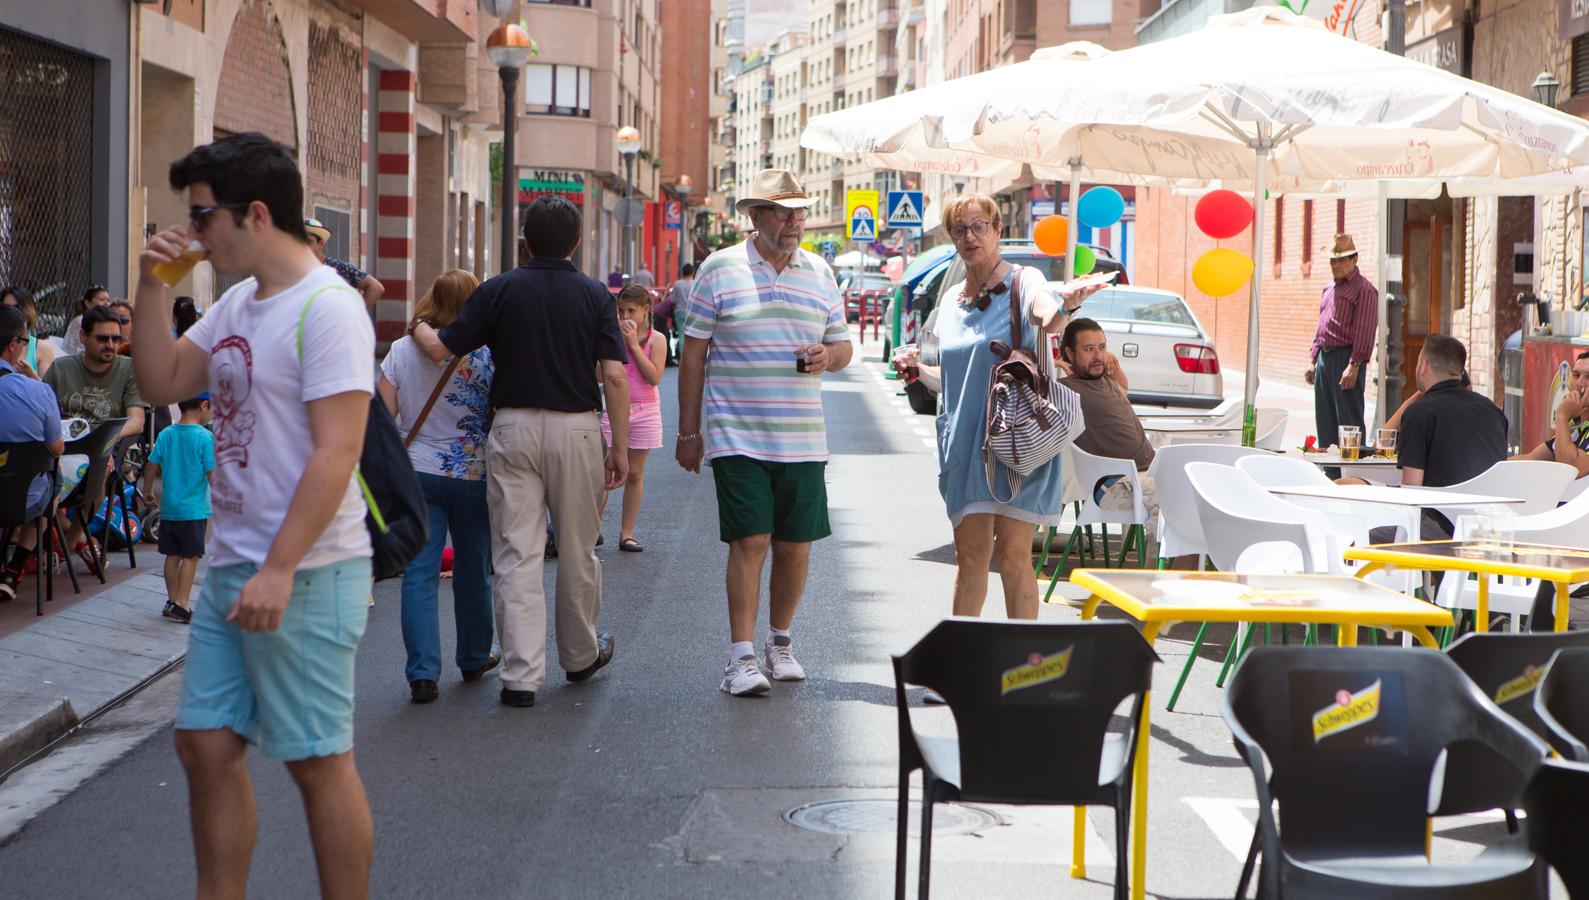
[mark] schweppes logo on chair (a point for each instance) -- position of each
(1347, 712)
(1039, 669)
(1520, 686)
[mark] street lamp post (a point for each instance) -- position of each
(509, 48)
(628, 141)
(1545, 85)
(683, 186)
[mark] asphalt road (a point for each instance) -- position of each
(648, 781)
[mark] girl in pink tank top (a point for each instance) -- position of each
(647, 358)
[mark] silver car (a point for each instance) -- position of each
(1168, 358)
(1164, 351)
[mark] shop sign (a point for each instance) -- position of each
(537, 182)
(1443, 50)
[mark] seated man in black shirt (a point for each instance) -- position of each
(1448, 435)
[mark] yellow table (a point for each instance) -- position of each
(1158, 598)
(1561, 565)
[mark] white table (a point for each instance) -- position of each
(1331, 459)
(1420, 497)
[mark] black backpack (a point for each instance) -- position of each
(398, 521)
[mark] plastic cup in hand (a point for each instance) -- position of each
(801, 364)
(172, 272)
(1351, 442)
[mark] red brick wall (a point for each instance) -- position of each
(1169, 242)
(336, 117)
(686, 62)
(255, 91)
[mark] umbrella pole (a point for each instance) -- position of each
(1249, 428)
(1071, 221)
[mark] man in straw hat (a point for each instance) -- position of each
(1343, 343)
(357, 278)
(773, 319)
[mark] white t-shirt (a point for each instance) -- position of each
(259, 393)
(452, 440)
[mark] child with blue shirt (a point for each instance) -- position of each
(183, 456)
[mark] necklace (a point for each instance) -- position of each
(983, 297)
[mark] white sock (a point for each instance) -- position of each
(739, 650)
(779, 633)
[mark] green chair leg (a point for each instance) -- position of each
(1197, 644)
(1230, 655)
(1163, 564)
(1073, 544)
(1103, 530)
(1042, 560)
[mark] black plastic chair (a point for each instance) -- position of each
(20, 465)
(1555, 801)
(1345, 741)
(96, 445)
(1508, 669)
(118, 500)
(1560, 704)
(1032, 703)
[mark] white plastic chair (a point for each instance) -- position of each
(1271, 470)
(1540, 484)
(1180, 529)
(1089, 470)
(1576, 488)
(1271, 430)
(1249, 529)
(1564, 526)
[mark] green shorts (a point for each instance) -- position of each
(786, 500)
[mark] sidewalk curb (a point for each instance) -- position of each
(67, 668)
(29, 722)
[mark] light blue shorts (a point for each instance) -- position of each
(290, 690)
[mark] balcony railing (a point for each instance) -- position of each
(887, 65)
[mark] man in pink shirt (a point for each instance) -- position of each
(1343, 343)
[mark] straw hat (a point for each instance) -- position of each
(774, 187)
(314, 227)
(1342, 246)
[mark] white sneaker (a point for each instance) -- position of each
(743, 678)
(781, 660)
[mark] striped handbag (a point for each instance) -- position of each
(1031, 417)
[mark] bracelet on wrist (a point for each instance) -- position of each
(686, 438)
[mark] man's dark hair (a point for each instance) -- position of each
(1445, 354)
(183, 314)
(244, 168)
(13, 324)
(1076, 327)
(97, 315)
(1583, 355)
(687, 271)
(192, 403)
(551, 227)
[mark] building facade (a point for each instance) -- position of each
(66, 68)
(688, 112)
(382, 102)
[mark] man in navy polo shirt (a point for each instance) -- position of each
(27, 413)
(549, 328)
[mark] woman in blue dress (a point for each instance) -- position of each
(988, 528)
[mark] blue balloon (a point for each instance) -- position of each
(1101, 207)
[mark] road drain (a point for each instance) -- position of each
(878, 816)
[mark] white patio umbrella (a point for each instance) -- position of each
(1265, 92)
(912, 131)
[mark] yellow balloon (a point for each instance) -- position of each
(1221, 271)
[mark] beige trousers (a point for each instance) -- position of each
(540, 461)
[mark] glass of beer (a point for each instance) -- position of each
(1385, 440)
(1351, 442)
(171, 273)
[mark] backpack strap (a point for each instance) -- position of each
(1015, 309)
(364, 487)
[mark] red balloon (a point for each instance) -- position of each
(1223, 214)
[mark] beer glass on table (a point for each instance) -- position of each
(1351, 442)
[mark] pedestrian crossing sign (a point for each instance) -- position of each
(904, 209)
(860, 215)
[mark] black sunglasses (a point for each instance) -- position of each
(986, 295)
(107, 338)
(199, 215)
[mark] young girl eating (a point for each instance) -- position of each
(648, 355)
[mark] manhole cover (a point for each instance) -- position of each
(876, 816)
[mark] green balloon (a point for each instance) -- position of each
(1085, 259)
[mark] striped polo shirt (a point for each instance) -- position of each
(756, 404)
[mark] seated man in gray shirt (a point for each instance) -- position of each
(1113, 428)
